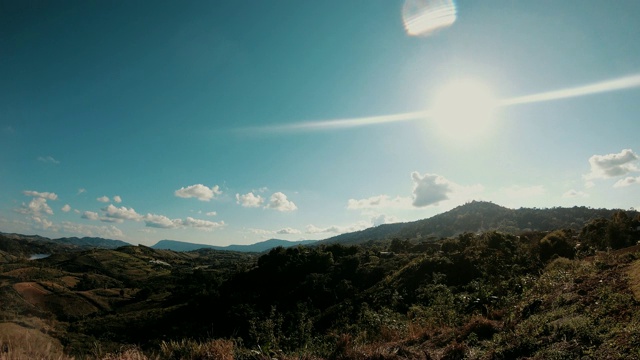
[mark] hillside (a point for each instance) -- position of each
(479, 216)
(563, 294)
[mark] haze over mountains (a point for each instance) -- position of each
(474, 217)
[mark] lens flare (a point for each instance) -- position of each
(424, 17)
(623, 83)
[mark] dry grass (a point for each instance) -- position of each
(634, 278)
(18, 343)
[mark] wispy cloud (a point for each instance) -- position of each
(48, 160)
(574, 194)
(630, 180)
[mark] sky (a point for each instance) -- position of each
(232, 122)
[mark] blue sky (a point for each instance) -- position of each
(191, 120)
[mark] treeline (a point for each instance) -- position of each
(299, 298)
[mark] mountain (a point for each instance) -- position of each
(257, 247)
(92, 242)
(479, 216)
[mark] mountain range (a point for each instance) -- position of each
(474, 217)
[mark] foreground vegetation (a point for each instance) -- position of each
(563, 294)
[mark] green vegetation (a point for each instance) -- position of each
(561, 294)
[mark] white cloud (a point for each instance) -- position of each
(575, 194)
(429, 189)
(44, 223)
(201, 224)
(117, 199)
(76, 211)
(522, 192)
(81, 191)
(199, 192)
(279, 201)
(260, 231)
(36, 207)
(383, 219)
(589, 184)
(334, 229)
(161, 221)
(249, 200)
(121, 213)
(211, 213)
(48, 160)
(90, 215)
(612, 165)
(106, 231)
(66, 208)
(43, 195)
(288, 231)
(103, 199)
(630, 180)
(379, 201)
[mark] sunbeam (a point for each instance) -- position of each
(623, 83)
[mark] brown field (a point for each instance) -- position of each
(32, 293)
(70, 281)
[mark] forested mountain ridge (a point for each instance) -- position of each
(477, 217)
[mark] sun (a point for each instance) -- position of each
(463, 109)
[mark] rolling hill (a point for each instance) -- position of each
(257, 247)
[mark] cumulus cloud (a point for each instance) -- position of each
(66, 208)
(117, 199)
(43, 195)
(429, 189)
(201, 224)
(288, 231)
(44, 223)
(48, 160)
(163, 222)
(521, 192)
(121, 213)
(103, 199)
(575, 194)
(249, 200)
(211, 213)
(90, 215)
(612, 165)
(37, 206)
(160, 221)
(629, 180)
(279, 201)
(383, 219)
(199, 191)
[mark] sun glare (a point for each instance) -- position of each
(463, 109)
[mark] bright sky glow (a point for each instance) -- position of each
(235, 122)
(463, 108)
